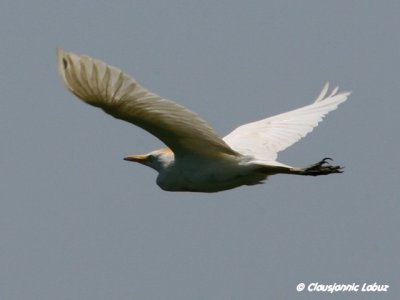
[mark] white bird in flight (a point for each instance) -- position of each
(196, 159)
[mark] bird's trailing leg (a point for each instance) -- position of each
(320, 168)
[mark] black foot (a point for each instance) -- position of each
(322, 168)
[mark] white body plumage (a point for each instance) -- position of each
(198, 174)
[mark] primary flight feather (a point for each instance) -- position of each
(196, 158)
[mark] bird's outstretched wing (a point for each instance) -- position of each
(121, 96)
(265, 138)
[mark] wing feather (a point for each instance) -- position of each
(265, 138)
(119, 95)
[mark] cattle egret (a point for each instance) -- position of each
(196, 159)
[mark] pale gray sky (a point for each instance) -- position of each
(78, 222)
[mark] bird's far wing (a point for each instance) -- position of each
(265, 138)
(121, 96)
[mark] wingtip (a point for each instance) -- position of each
(61, 63)
(59, 54)
(323, 92)
(334, 91)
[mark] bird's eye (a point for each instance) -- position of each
(151, 158)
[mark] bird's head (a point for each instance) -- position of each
(158, 159)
